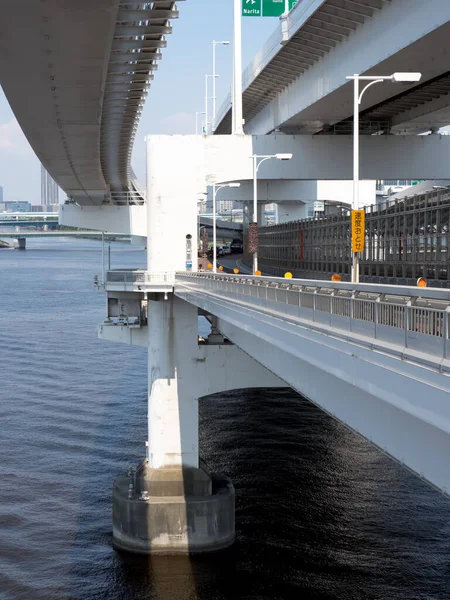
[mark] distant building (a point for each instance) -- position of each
(225, 205)
(38, 208)
(1, 195)
(17, 206)
(49, 189)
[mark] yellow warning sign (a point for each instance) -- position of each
(358, 231)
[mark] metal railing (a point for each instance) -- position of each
(138, 276)
(129, 197)
(392, 314)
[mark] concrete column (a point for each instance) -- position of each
(291, 211)
(170, 504)
(173, 403)
(174, 181)
(21, 243)
(261, 219)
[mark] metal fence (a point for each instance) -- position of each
(139, 276)
(406, 238)
(381, 313)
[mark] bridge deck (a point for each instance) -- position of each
(374, 357)
(392, 319)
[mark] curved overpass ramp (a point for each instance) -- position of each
(76, 74)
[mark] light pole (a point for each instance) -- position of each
(206, 102)
(214, 76)
(258, 159)
(357, 97)
(196, 120)
(215, 190)
(237, 127)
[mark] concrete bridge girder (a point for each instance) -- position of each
(220, 159)
(298, 193)
(327, 157)
(398, 406)
(322, 95)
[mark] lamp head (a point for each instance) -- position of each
(234, 185)
(283, 156)
(406, 77)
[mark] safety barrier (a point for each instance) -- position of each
(139, 276)
(392, 314)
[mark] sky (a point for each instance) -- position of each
(177, 92)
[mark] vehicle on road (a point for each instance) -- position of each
(218, 252)
(236, 246)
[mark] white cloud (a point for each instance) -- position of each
(12, 138)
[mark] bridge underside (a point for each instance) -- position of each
(76, 75)
(397, 404)
(297, 82)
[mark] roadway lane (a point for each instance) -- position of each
(229, 262)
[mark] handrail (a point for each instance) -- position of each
(139, 276)
(413, 318)
(402, 291)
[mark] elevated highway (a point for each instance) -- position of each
(224, 229)
(297, 81)
(89, 66)
(375, 357)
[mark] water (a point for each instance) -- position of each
(320, 514)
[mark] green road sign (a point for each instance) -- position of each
(266, 8)
(273, 8)
(251, 8)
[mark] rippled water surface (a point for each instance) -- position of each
(320, 514)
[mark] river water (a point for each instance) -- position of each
(320, 513)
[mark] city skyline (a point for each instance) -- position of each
(49, 189)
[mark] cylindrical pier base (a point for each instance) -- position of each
(173, 511)
(21, 243)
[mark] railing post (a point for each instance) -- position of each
(352, 300)
(406, 321)
(314, 305)
(332, 297)
(445, 332)
(375, 315)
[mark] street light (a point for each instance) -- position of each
(215, 190)
(357, 97)
(206, 102)
(196, 120)
(256, 164)
(214, 76)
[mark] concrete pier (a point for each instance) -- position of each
(20, 243)
(173, 511)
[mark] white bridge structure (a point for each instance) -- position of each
(376, 357)
(297, 82)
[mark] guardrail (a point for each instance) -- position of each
(414, 318)
(130, 197)
(139, 276)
